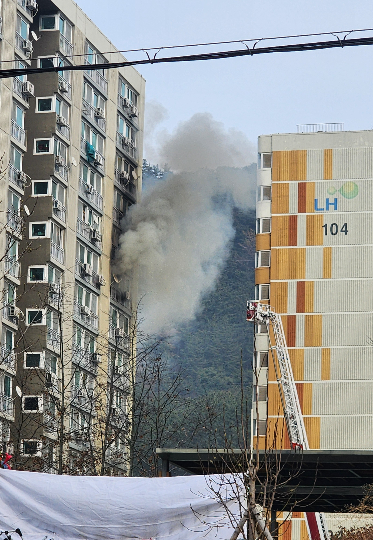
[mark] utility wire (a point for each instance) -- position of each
(294, 47)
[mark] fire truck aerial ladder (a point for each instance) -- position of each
(264, 314)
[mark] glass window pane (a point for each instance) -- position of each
(37, 274)
(32, 360)
(48, 23)
(9, 340)
(17, 159)
(7, 386)
(47, 62)
(38, 229)
(40, 188)
(44, 104)
(42, 146)
(35, 316)
(53, 364)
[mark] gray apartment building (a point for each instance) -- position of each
(71, 149)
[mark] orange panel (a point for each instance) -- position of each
(297, 263)
(310, 199)
(263, 242)
(301, 296)
(325, 364)
(289, 165)
(279, 296)
(313, 331)
(303, 531)
(314, 230)
(284, 530)
(280, 231)
(312, 425)
(274, 401)
(297, 363)
(327, 263)
(288, 263)
(309, 296)
(277, 436)
(280, 198)
(328, 164)
(261, 275)
(298, 515)
(307, 398)
(259, 443)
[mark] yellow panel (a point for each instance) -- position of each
(280, 231)
(310, 197)
(327, 263)
(288, 263)
(314, 230)
(309, 296)
(263, 241)
(325, 364)
(261, 275)
(279, 296)
(277, 436)
(297, 363)
(312, 425)
(303, 531)
(274, 401)
(259, 444)
(328, 164)
(280, 198)
(307, 398)
(289, 165)
(313, 331)
(284, 530)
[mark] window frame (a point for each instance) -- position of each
(258, 258)
(261, 160)
(41, 363)
(45, 268)
(48, 194)
(40, 404)
(39, 446)
(47, 229)
(53, 104)
(43, 317)
(51, 146)
(55, 15)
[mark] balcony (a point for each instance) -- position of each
(59, 210)
(17, 177)
(91, 112)
(18, 133)
(96, 77)
(12, 266)
(19, 42)
(85, 359)
(88, 233)
(57, 253)
(119, 336)
(55, 295)
(64, 130)
(125, 105)
(14, 221)
(118, 215)
(125, 184)
(93, 156)
(24, 5)
(64, 86)
(115, 456)
(10, 313)
(85, 316)
(6, 405)
(94, 197)
(92, 277)
(18, 89)
(82, 397)
(8, 358)
(53, 338)
(62, 171)
(120, 297)
(50, 423)
(65, 46)
(127, 146)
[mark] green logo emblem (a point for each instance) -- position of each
(349, 190)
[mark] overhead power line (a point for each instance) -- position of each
(338, 42)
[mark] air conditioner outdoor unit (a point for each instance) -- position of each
(95, 235)
(59, 161)
(32, 5)
(14, 311)
(98, 159)
(57, 205)
(89, 188)
(101, 280)
(28, 89)
(22, 177)
(61, 121)
(119, 332)
(99, 112)
(126, 141)
(84, 310)
(125, 175)
(27, 46)
(126, 103)
(54, 288)
(62, 86)
(134, 111)
(48, 380)
(88, 269)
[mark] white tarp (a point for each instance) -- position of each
(101, 507)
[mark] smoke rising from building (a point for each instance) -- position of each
(180, 231)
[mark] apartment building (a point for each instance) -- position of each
(71, 146)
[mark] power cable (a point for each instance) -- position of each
(294, 47)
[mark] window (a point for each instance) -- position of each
(48, 22)
(86, 298)
(264, 193)
(262, 292)
(18, 115)
(8, 339)
(92, 97)
(40, 187)
(7, 386)
(51, 364)
(62, 109)
(9, 294)
(21, 65)
(57, 235)
(118, 319)
(262, 258)
(35, 316)
(16, 158)
(60, 149)
(34, 360)
(39, 230)
(58, 191)
(125, 129)
(92, 56)
(22, 27)
(261, 359)
(122, 165)
(43, 146)
(263, 225)
(65, 28)
(32, 403)
(44, 104)
(95, 139)
(265, 160)
(88, 215)
(31, 447)
(86, 256)
(66, 75)
(52, 320)
(54, 274)
(14, 201)
(37, 274)
(90, 177)
(84, 340)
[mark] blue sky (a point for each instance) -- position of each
(258, 95)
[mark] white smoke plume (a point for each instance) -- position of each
(179, 233)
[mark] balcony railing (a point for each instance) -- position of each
(125, 184)
(16, 176)
(62, 171)
(6, 405)
(117, 216)
(24, 6)
(64, 130)
(19, 42)
(88, 233)
(81, 271)
(50, 423)
(59, 210)
(94, 197)
(53, 338)
(57, 253)
(12, 266)
(82, 397)
(55, 295)
(127, 145)
(9, 313)
(315, 128)
(18, 133)
(84, 359)
(98, 160)
(119, 297)
(64, 86)
(65, 46)
(90, 111)
(18, 89)
(97, 77)
(119, 336)
(14, 221)
(8, 358)
(86, 316)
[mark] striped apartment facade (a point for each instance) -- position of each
(314, 265)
